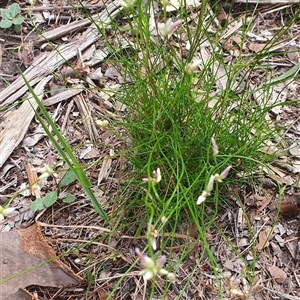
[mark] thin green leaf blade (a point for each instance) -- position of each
(294, 70)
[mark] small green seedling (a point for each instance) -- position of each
(12, 17)
(51, 198)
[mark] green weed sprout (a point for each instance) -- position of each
(12, 17)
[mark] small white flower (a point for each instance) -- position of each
(147, 274)
(128, 4)
(171, 277)
(163, 272)
(223, 175)
(101, 123)
(191, 67)
(153, 236)
(214, 147)
(210, 184)
(167, 29)
(5, 211)
(225, 172)
(163, 219)
(207, 190)
(47, 172)
(156, 177)
(201, 198)
(165, 2)
(153, 268)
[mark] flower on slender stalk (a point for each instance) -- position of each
(223, 175)
(206, 192)
(156, 177)
(163, 219)
(202, 197)
(5, 211)
(47, 172)
(167, 29)
(191, 67)
(152, 267)
(165, 2)
(153, 236)
(210, 184)
(101, 123)
(214, 147)
(128, 4)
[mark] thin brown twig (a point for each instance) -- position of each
(42, 8)
(99, 229)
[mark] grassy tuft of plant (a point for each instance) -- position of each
(179, 100)
(189, 117)
(173, 113)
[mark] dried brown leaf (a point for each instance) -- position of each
(236, 39)
(25, 261)
(264, 203)
(27, 54)
(83, 71)
(262, 240)
(290, 205)
(256, 47)
(278, 274)
(33, 181)
(227, 45)
(105, 170)
(222, 16)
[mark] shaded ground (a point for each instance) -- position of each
(111, 254)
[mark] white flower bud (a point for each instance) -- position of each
(102, 124)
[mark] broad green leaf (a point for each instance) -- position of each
(5, 24)
(50, 198)
(68, 178)
(18, 21)
(5, 14)
(14, 9)
(69, 199)
(37, 204)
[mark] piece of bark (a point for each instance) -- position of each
(87, 118)
(17, 123)
(63, 95)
